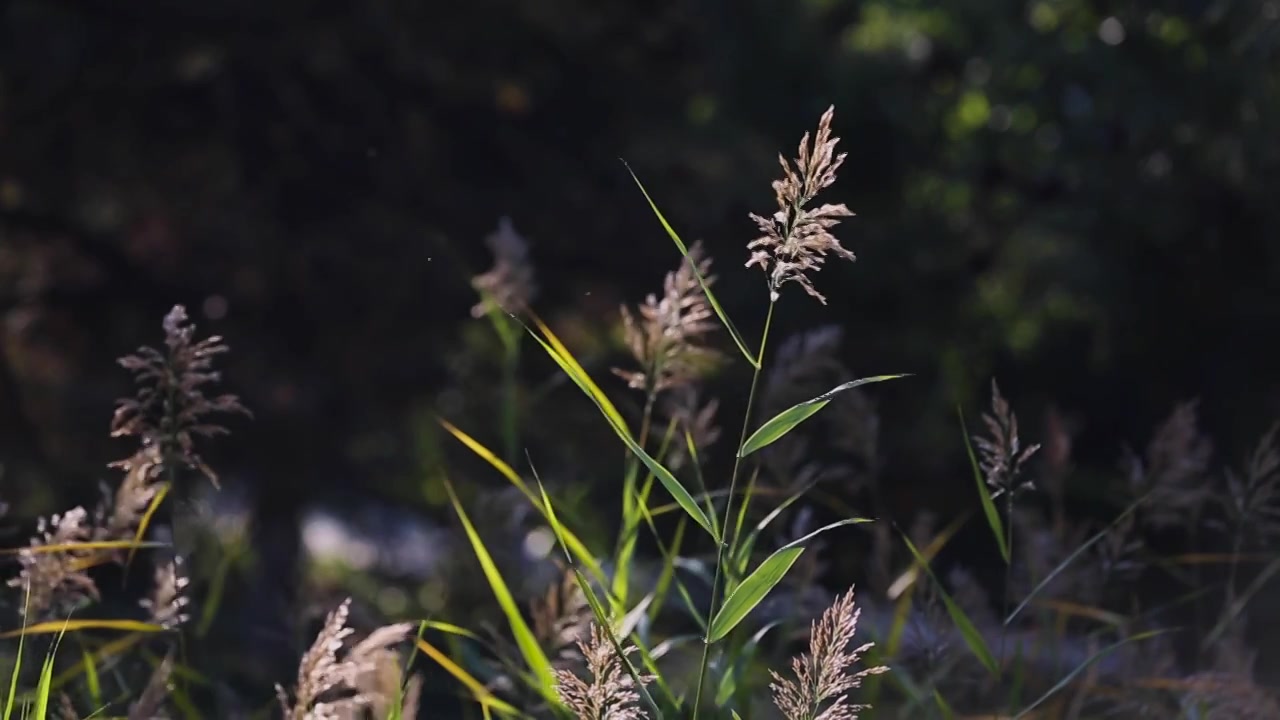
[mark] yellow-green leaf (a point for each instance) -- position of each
(984, 495)
(530, 650)
(756, 586)
(706, 289)
(669, 481)
(58, 626)
(477, 688)
(786, 421)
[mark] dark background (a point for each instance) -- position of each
(1076, 197)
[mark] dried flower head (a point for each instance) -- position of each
(1001, 453)
(150, 705)
(561, 616)
(170, 407)
(796, 238)
(611, 694)
(329, 688)
(167, 602)
(1175, 471)
(509, 285)
(1252, 499)
(666, 338)
(823, 676)
(53, 574)
(123, 510)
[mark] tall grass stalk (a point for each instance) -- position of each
(728, 507)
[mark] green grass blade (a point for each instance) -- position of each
(972, 637)
(706, 289)
(756, 586)
(943, 706)
(479, 692)
(91, 679)
(1083, 666)
(669, 481)
(984, 494)
(786, 421)
(60, 626)
(532, 652)
(17, 660)
(1067, 561)
(575, 544)
(602, 617)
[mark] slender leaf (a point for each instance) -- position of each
(581, 377)
(706, 289)
(984, 494)
(1083, 666)
(161, 493)
(481, 693)
(972, 637)
(763, 579)
(530, 650)
(786, 421)
(59, 626)
(1067, 561)
(575, 544)
(669, 481)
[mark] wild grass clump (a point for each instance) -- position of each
(710, 600)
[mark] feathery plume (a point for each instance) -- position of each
(1252, 499)
(1002, 455)
(167, 602)
(665, 339)
(1177, 462)
(796, 238)
(52, 575)
(611, 694)
(170, 407)
(327, 688)
(823, 675)
(509, 285)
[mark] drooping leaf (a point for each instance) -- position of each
(787, 420)
(481, 693)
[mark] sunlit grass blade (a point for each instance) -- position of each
(58, 626)
(580, 375)
(706, 289)
(1067, 561)
(575, 544)
(984, 494)
(17, 659)
(972, 637)
(80, 546)
(530, 650)
(756, 586)
(786, 421)
(479, 692)
(601, 616)
(91, 680)
(671, 559)
(1083, 666)
(161, 493)
(45, 685)
(669, 481)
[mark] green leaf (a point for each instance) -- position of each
(481, 693)
(943, 706)
(669, 481)
(706, 289)
(786, 421)
(532, 652)
(984, 494)
(756, 586)
(972, 638)
(1081, 668)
